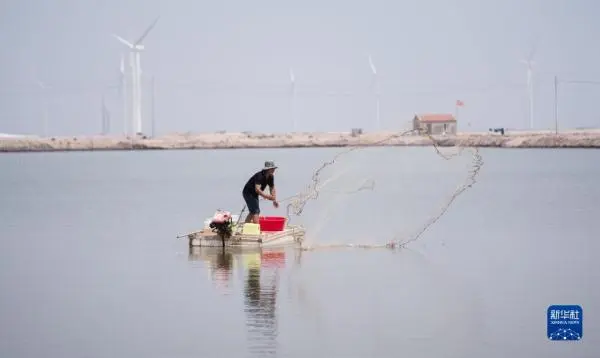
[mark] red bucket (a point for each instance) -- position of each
(271, 223)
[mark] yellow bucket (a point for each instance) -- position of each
(251, 229)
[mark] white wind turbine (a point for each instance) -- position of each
(105, 116)
(136, 72)
(529, 63)
(374, 71)
(44, 107)
(123, 95)
(292, 100)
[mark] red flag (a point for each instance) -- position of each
(459, 103)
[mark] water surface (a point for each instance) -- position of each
(90, 265)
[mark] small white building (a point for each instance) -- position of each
(435, 123)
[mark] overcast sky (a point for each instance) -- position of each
(224, 65)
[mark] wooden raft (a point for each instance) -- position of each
(207, 237)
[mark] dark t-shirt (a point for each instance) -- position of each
(258, 178)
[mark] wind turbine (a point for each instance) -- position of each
(123, 94)
(134, 61)
(105, 116)
(374, 71)
(44, 107)
(529, 63)
(293, 95)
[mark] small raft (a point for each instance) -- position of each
(286, 235)
(290, 235)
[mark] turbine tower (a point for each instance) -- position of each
(292, 100)
(105, 116)
(43, 88)
(374, 71)
(529, 63)
(136, 72)
(123, 94)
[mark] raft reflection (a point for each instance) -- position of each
(260, 271)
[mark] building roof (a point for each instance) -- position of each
(435, 118)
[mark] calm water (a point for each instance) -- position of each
(90, 265)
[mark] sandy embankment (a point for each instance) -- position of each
(572, 139)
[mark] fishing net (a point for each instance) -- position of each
(337, 189)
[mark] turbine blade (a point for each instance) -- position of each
(528, 63)
(147, 31)
(125, 42)
(533, 48)
(373, 69)
(121, 75)
(292, 77)
(122, 66)
(41, 84)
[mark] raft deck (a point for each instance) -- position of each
(207, 238)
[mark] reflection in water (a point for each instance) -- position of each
(261, 299)
(220, 264)
(221, 269)
(261, 285)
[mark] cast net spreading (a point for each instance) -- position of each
(352, 198)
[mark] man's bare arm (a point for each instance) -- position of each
(262, 193)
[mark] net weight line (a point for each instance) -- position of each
(298, 202)
(468, 183)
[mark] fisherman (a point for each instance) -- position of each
(256, 186)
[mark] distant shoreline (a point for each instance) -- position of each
(526, 139)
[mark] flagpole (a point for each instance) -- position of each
(153, 107)
(103, 116)
(555, 105)
(456, 111)
(457, 104)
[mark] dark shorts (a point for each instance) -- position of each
(251, 203)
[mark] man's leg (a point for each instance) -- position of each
(248, 201)
(252, 218)
(253, 209)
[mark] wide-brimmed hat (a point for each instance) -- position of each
(269, 165)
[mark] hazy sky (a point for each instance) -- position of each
(225, 64)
